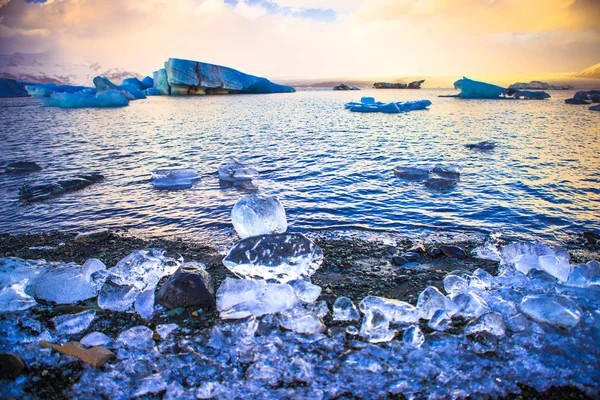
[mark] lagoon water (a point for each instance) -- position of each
(332, 169)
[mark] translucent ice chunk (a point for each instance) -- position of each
(240, 298)
(282, 257)
(144, 268)
(319, 308)
(481, 279)
(114, 296)
(413, 336)
(555, 266)
(305, 291)
(71, 324)
(164, 330)
(524, 256)
(144, 303)
(518, 323)
(13, 298)
(487, 252)
(90, 266)
(440, 321)
(551, 309)
(62, 284)
(584, 275)
(253, 216)
(345, 310)
(16, 270)
(138, 337)
(430, 300)
(454, 284)
(376, 327)
(395, 311)
(95, 339)
(174, 179)
(299, 320)
(492, 323)
(470, 305)
(235, 171)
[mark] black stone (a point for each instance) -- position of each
(399, 261)
(11, 366)
(434, 252)
(411, 256)
(453, 251)
(189, 286)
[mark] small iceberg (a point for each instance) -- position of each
(368, 105)
(174, 179)
(343, 86)
(106, 99)
(470, 89)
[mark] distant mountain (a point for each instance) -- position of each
(45, 68)
(592, 72)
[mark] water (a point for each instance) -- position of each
(332, 169)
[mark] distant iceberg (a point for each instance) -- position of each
(343, 86)
(107, 98)
(12, 88)
(369, 105)
(186, 77)
(470, 89)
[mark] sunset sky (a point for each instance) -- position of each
(314, 38)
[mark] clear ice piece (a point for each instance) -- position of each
(240, 298)
(552, 309)
(254, 215)
(481, 279)
(413, 336)
(345, 310)
(396, 311)
(174, 179)
(138, 337)
(440, 321)
(584, 275)
(90, 266)
(116, 297)
(305, 291)
(470, 305)
(164, 330)
(556, 266)
(144, 303)
(235, 171)
(430, 300)
(62, 284)
(144, 268)
(319, 308)
(13, 298)
(376, 327)
(454, 284)
(95, 339)
(71, 324)
(300, 320)
(492, 323)
(278, 258)
(487, 252)
(16, 270)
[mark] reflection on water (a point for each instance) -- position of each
(330, 167)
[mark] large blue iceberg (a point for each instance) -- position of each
(369, 105)
(470, 89)
(46, 89)
(106, 98)
(185, 77)
(12, 88)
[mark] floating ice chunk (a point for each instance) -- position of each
(164, 330)
(138, 337)
(440, 321)
(390, 108)
(491, 322)
(240, 298)
(430, 300)
(174, 179)
(345, 310)
(555, 266)
(483, 146)
(95, 339)
(413, 171)
(396, 311)
(253, 216)
(367, 100)
(62, 284)
(300, 320)
(281, 258)
(105, 99)
(552, 309)
(451, 171)
(71, 324)
(487, 252)
(235, 171)
(470, 89)
(13, 298)
(454, 284)
(470, 305)
(116, 297)
(144, 303)
(376, 327)
(305, 291)
(413, 336)
(319, 308)
(584, 275)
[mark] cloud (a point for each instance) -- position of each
(257, 8)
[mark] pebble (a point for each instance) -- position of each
(434, 252)
(411, 256)
(11, 365)
(399, 261)
(453, 251)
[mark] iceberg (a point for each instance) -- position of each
(106, 99)
(187, 77)
(398, 85)
(235, 171)
(174, 179)
(343, 86)
(12, 88)
(46, 89)
(253, 216)
(528, 94)
(369, 105)
(147, 82)
(277, 258)
(470, 89)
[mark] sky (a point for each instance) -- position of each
(314, 38)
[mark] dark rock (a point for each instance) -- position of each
(576, 101)
(440, 183)
(22, 166)
(401, 279)
(453, 251)
(399, 261)
(411, 256)
(392, 251)
(11, 366)
(44, 191)
(485, 145)
(92, 236)
(189, 286)
(434, 252)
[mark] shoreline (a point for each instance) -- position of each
(351, 267)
